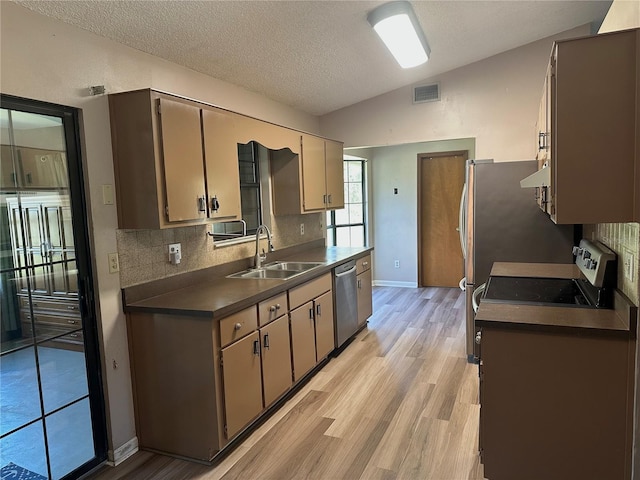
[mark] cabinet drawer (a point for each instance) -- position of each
(363, 264)
(53, 319)
(47, 330)
(309, 291)
(272, 308)
(71, 307)
(238, 325)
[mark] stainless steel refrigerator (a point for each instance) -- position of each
(501, 222)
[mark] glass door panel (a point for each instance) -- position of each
(25, 450)
(49, 378)
(19, 390)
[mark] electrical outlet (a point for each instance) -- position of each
(114, 263)
(302, 229)
(175, 253)
(629, 265)
(396, 264)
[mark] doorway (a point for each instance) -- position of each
(440, 183)
(52, 421)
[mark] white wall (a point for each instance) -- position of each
(48, 60)
(393, 219)
(492, 103)
(622, 14)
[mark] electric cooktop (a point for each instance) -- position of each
(535, 291)
(596, 262)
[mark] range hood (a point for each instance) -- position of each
(541, 178)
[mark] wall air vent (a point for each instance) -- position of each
(426, 93)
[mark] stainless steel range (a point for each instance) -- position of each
(596, 262)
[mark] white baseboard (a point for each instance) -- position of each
(387, 283)
(120, 454)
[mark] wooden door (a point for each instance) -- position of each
(183, 160)
(440, 185)
(221, 163)
(334, 163)
(325, 340)
(313, 173)
(303, 341)
(276, 359)
(242, 383)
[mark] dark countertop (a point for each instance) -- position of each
(222, 296)
(619, 319)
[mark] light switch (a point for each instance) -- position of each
(107, 194)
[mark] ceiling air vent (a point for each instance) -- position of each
(426, 93)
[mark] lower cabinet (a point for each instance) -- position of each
(256, 371)
(325, 339)
(363, 283)
(303, 340)
(312, 324)
(365, 303)
(276, 359)
(555, 405)
(242, 379)
(200, 381)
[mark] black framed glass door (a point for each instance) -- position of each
(51, 401)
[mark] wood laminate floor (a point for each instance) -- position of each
(400, 402)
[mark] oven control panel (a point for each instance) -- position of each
(595, 261)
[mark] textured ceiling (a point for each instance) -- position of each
(317, 56)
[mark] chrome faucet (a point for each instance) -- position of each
(260, 258)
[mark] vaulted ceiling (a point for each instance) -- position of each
(316, 56)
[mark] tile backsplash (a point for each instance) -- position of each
(624, 239)
(144, 254)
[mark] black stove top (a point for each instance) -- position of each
(536, 291)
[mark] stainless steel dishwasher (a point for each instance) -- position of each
(344, 278)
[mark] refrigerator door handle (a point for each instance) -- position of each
(476, 293)
(462, 220)
(462, 284)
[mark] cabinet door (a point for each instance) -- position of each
(334, 164)
(181, 143)
(242, 383)
(313, 173)
(303, 341)
(543, 126)
(568, 392)
(325, 341)
(31, 247)
(594, 143)
(221, 163)
(276, 359)
(365, 307)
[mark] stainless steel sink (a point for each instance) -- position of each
(262, 273)
(277, 270)
(293, 266)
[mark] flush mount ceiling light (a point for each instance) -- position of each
(398, 27)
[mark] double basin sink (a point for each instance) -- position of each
(277, 270)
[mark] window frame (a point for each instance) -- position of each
(261, 156)
(332, 227)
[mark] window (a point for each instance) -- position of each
(250, 186)
(346, 227)
(253, 166)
